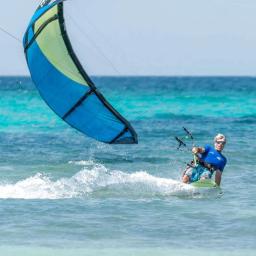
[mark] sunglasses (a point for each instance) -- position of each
(220, 142)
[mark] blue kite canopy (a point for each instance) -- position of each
(64, 84)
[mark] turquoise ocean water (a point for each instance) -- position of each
(62, 193)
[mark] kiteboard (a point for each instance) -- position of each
(206, 183)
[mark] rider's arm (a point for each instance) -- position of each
(218, 177)
(218, 173)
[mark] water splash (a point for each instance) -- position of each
(96, 182)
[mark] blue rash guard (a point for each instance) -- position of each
(214, 158)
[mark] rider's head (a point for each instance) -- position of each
(219, 142)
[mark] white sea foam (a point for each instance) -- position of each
(96, 182)
(82, 162)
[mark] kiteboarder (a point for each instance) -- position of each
(208, 160)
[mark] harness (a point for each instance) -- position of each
(198, 160)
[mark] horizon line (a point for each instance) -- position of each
(113, 76)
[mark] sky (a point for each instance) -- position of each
(145, 37)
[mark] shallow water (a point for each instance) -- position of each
(62, 193)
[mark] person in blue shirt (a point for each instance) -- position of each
(210, 160)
